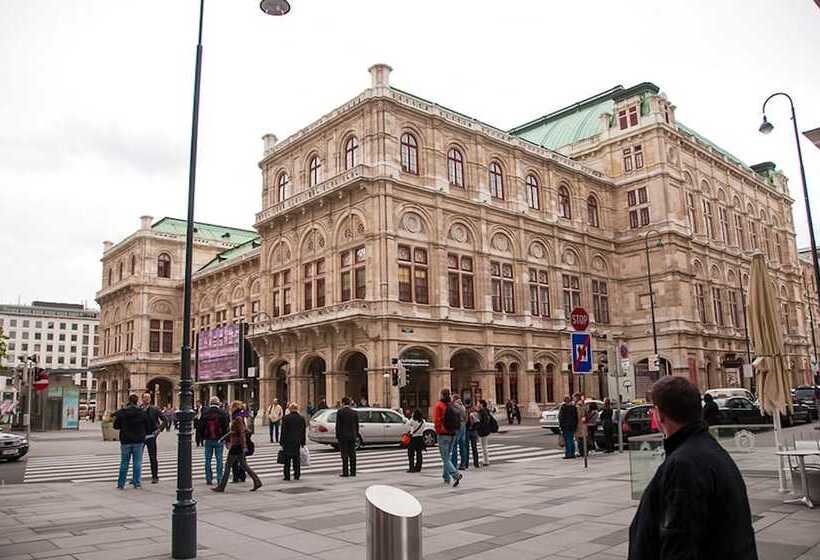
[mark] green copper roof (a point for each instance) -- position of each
(232, 253)
(689, 132)
(208, 232)
(578, 121)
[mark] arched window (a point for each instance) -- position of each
(164, 265)
(564, 204)
(496, 181)
(455, 167)
(282, 187)
(120, 270)
(409, 154)
(351, 152)
(592, 212)
(533, 195)
(133, 265)
(315, 169)
(110, 276)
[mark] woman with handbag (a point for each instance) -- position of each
(292, 441)
(416, 444)
(237, 442)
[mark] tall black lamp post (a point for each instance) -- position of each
(652, 296)
(183, 516)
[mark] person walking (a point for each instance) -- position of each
(487, 425)
(213, 427)
(274, 414)
(93, 414)
(516, 412)
(447, 423)
(568, 424)
(509, 409)
(168, 414)
(591, 420)
(415, 427)
(581, 428)
(696, 505)
(132, 422)
(606, 424)
(711, 412)
(472, 436)
(292, 441)
(460, 442)
(347, 432)
(155, 426)
(239, 474)
(237, 442)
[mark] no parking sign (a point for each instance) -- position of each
(581, 353)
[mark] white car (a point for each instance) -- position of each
(731, 392)
(376, 425)
(549, 418)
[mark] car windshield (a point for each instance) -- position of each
(327, 415)
(807, 393)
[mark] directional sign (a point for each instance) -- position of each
(579, 319)
(581, 353)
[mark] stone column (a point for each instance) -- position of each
(506, 375)
(440, 378)
(335, 386)
(211, 391)
(532, 408)
(486, 382)
(298, 389)
(376, 386)
(231, 392)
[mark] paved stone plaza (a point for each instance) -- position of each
(523, 509)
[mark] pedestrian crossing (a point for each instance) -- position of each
(104, 468)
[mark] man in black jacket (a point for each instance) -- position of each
(132, 422)
(213, 425)
(347, 431)
(568, 424)
(155, 425)
(696, 504)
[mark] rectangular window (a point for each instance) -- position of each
(693, 215)
(281, 293)
(129, 336)
(717, 306)
(238, 313)
(733, 313)
(709, 218)
(700, 302)
(352, 275)
(600, 301)
(539, 292)
(753, 233)
(572, 293)
(286, 301)
(405, 286)
(155, 334)
(167, 337)
(314, 284)
(638, 156)
(256, 306)
(633, 115)
(638, 201)
(627, 160)
(740, 236)
(723, 216)
(508, 288)
(221, 318)
(623, 121)
(413, 276)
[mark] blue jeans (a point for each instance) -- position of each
(213, 447)
(445, 447)
(129, 451)
(569, 444)
(459, 447)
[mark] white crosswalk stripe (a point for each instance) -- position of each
(104, 468)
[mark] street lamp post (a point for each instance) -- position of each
(651, 296)
(183, 516)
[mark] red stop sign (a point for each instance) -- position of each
(579, 318)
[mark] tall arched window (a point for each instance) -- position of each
(120, 268)
(110, 276)
(592, 212)
(315, 169)
(496, 181)
(282, 187)
(351, 152)
(409, 154)
(455, 167)
(564, 204)
(533, 195)
(164, 265)
(133, 267)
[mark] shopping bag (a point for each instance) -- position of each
(405, 440)
(304, 456)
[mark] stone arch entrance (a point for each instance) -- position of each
(315, 369)
(416, 394)
(161, 391)
(355, 369)
(280, 383)
(466, 365)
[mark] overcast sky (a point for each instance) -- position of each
(95, 96)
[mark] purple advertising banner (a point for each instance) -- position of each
(218, 352)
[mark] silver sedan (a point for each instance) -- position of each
(376, 426)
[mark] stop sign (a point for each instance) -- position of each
(579, 318)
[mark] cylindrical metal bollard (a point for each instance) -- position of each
(393, 524)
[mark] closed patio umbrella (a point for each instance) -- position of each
(767, 337)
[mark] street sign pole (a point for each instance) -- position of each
(29, 383)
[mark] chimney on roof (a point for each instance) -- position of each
(380, 75)
(145, 222)
(106, 246)
(270, 141)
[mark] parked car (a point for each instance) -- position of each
(808, 396)
(731, 392)
(12, 446)
(376, 425)
(636, 421)
(740, 411)
(549, 418)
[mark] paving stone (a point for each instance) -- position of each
(510, 524)
(779, 550)
(455, 515)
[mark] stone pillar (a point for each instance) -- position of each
(486, 382)
(440, 378)
(231, 392)
(211, 391)
(506, 375)
(376, 386)
(335, 386)
(298, 389)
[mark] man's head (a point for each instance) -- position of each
(677, 403)
(445, 394)
(133, 399)
(146, 399)
(215, 401)
(275, 401)
(456, 398)
(293, 407)
(345, 401)
(567, 400)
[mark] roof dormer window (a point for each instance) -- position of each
(628, 117)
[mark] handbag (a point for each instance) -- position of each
(304, 456)
(280, 457)
(405, 439)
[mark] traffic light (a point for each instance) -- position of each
(395, 372)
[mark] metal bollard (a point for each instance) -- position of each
(393, 524)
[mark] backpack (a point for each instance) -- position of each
(212, 428)
(493, 424)
(452, 419)
(250, 447)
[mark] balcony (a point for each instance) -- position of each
(314, 317)
(333, 184)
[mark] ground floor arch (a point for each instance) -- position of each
(314, 371)
(161, 391)
(354, 367)
(466, 375)
(419, 363)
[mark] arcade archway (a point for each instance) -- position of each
(355, 368)
(315, 371)
(416, 394)
(465, 364)
(161, 391)
(280, 384)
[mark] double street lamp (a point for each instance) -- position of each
(183, 516)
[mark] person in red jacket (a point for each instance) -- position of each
(446, 434)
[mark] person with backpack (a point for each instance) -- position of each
(155, 426)
(447, 421)
(132, 423)
(472, 436)
(460, 442)
(237, 442)
(213, 426)
(487, 425)
(415, 427)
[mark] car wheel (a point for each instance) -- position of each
(359, 442)
(429, 438)
(13, 459)
(555, 431)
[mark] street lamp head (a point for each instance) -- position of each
(766, 127)
(275, 7)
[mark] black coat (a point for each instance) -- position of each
(568, 417)
(132, 422)
(711, 412)
(484, 423)
(347, 424)
(293, 433)
(695, 506)
(155, 418)
(213, 414)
